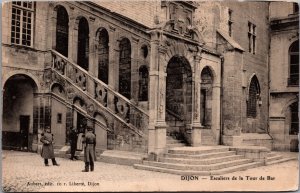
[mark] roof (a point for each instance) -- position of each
(230, 40)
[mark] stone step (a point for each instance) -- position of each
(201, 161)
(273, 158)
(201, 156)
(279, 161)
(209, 167)
(200, 173)
(121, 157)
(172, 145)
(197, 150)
(171, 141)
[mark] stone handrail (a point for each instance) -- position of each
(111, 100)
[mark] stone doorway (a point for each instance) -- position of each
(178, 97)
(18, 101)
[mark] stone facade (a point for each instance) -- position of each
(91, 63)
(284, 88)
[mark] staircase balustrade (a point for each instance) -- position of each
(114, 102)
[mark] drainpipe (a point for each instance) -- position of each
(221, 101)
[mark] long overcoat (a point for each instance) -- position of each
(47, 149)
(89, 142)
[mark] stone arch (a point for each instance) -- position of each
(125, 66)
(19, 104)
(83, 39)
(9, 74)
(206, 96)
(178, 95)
(286, 106)
(102, 37)
(62, 30)
(58, 89)
(181, 50)
(253, 77)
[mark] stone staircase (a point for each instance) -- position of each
(275, 158)
(172, 142)
(206, 160)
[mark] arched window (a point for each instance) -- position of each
(62, 31)
(125, 68)
(143, 83)
(294, 129)
(103, 55)
(83, 44)
(206, 97)
(254, 92)
(294, 64)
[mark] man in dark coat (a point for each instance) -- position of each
(89, 142)
(47, 149)
(73, 142)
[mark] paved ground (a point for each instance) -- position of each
(23, 171)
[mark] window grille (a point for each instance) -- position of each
(253, 95)
(294, 64)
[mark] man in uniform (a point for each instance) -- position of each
(89, 142)
(73, 142)
(47, 149)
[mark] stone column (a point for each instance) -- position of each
(196, 123)
(216, 111)
(74, 40)
(134, 69)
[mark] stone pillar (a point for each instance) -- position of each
(216, 111)
(157, 96)
(74, 40)
(134, 69)
(196, 126)
(71, 40)
(153, 85)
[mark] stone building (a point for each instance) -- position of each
(194, 71)
(284, 75)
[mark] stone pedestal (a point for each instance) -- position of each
(160, 138)
(196, 135)
(232, 140)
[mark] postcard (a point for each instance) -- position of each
(139, 96)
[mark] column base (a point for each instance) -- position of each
(195, 133)
(160, 138)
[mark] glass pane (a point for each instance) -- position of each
(294, 59)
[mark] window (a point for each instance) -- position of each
(143, 83)
(252, 37)
(230, 22)
(103, 56)
(295, 8)
(293, 79)
(59, 118)
(125, 68)
(62, 31)
(253, 95)
(22, 23)
(294, 119)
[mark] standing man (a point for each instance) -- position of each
(89, 142)
(73, 142)
(47, 149)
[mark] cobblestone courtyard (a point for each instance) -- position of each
(23, 171)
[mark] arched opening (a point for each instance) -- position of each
(253, 96)
(206, 97)
(294, 64)
(143, 83)
(178, 96)
(125, 68)
(294, 125)
(83, 44)
(17, 128)
(103, 56)
(80, 120)
(62, 31)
